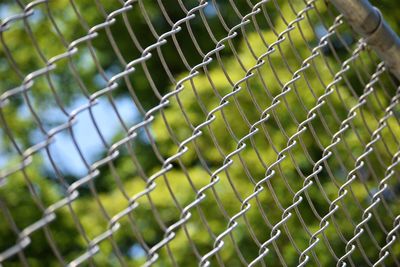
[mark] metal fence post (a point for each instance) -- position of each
(368, 21)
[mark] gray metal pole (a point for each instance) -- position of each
(368, 21)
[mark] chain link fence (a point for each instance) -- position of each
(185, 133)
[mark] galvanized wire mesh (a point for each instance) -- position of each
(265, 133)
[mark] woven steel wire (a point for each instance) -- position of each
(329, 77)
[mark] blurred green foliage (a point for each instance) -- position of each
(29, 192)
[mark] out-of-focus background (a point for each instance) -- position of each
(28, 117)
